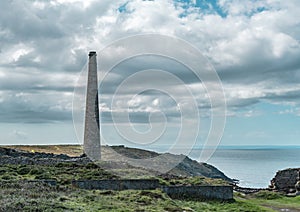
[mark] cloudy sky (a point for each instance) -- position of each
(254, 47)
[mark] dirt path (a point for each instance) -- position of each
(282, 209)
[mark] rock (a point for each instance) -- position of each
(291, 195)
(292, 190)
(297, 185)
(189, 167)
(12, 156)
(285, 180)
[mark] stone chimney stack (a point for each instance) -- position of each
(92, 146)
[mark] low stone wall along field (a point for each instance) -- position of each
(200, 192)
(177, 192)
(124, 184)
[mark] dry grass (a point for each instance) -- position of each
(71, 150)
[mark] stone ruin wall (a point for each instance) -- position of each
(285, 180)
(224, 193)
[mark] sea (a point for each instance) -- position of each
(254, 167)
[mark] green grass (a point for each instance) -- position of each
(64, 173)
(198, 180)
(275, 200)
(15, 196)
(18, 195)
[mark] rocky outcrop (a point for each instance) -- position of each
(285, 180)
(186, 168)
(12, 156)
(189, 168)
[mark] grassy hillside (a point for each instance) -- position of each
(19, 195)
(16, 196)
(120, 165)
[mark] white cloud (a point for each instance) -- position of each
(255, 48)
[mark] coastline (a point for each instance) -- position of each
(250, 165)
(16, 177)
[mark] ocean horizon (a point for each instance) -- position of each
(253, 166)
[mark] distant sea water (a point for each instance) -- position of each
(253, 167)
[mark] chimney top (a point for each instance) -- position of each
(92, 53)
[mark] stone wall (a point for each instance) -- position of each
(180, 192)
(200, 192)
(124, 184)
(285, 180)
